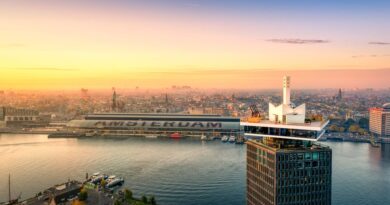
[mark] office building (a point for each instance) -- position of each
(380, 121)
(284, 164)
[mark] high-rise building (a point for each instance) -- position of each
(380, 121)
(114, 102)
(339, 95)
(287, 173)
(284, 164)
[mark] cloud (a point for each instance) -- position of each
(372, 56)
(45, 69)
(297, 41)
(379, 43)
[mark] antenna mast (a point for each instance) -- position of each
(9, 187)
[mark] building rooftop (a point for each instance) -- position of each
(386, 106)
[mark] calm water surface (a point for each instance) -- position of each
(177, 172)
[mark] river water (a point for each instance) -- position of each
(177, 171)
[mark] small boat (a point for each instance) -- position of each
(232, 139)
(224, 138)
(97, 179)
(240, 140)
(115, 182)
(175, 135)
(151, 136)
(96, 174)
(203, 137)
(111, 177)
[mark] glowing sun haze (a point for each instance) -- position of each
(51, 44)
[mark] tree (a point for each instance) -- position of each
(83, 195)
(362, 131)
(117, 202)
(128, 195)
(103, 182)
(144, 199)
(152, 200)
(334, 128)
(363, 123)
(354, 128)
(77, 202)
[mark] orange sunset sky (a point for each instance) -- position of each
(207, 44)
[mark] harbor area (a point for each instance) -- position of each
(98, 189)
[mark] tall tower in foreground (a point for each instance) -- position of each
(284, 164)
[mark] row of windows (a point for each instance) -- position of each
(311, 173)
(257, 195)
(281, 132)
(312, 199)
(261, 174)
(20, 118)
(304, 156)
(304, 188)
(304, 165)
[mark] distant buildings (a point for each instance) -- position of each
(284, 166)
(380, 121)
(15, 116)
(339, 95)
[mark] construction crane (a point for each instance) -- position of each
(254, 110)
(255, 114)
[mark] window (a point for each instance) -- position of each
(315, 155)
(307, 156)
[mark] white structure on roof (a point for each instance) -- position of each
(287, 113)
(286, 90)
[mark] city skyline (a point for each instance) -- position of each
(205, 44)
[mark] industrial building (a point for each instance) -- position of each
(155, 124)
(284, 165)
(10, 116)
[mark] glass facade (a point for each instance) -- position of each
(299, 175)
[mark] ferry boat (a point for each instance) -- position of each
(232, 139)
(224, 138)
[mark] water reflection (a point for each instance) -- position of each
(178, 171)
(385, 151)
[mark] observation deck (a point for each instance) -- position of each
(311, 131)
